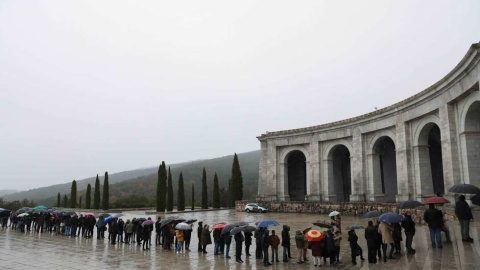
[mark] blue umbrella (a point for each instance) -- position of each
(267, 222)
(390, 218)
(108, 219)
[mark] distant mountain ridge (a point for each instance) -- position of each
(192, 172)
(7, 191)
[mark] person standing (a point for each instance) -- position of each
(228, 242)
(188, 236)
(216, 241)
(128, 231)
(337, 238)
(113, 231)
(317, 248)
(121, 224)
(166, 238)
(248, 243)
(378, 242)
(386, 231)
(180, 240)
(100, 230)
(299, 243)
(464, 214)
(199, 235)
(238, 247)
(147, 235)
(370, 235)
(409, 228)
(274, 242)
(355, 249)
(206, 238)
(330, 246)
(158, 232)
(265, 246)
(286, 243)
(74, 223)
(434, 218)
(397, 237)
(258, 243)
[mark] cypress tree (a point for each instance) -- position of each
(88, 197)
(237, 181)
(181, 194)
(161, 187)
(216, 192)
(58, 199)
(73, 195)
(106, 193)
(169, 192)
(96, 194)
(65, 201)
(80, 202)
(231, 200)
(204, 190)
(193, 197)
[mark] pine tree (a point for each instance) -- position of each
(65, 201)
(96, 194)
(88, 197)
(216, 192)
(169, 192)
(204, 190)
(181, 194)
(106, 193)
(193, 197)
(237, 181)
(58, 200)
(80, 202)
(73, 195)
(161, 187)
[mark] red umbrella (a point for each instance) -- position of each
(218, 226)
(314, 235)
(436, 200)
(88, 214)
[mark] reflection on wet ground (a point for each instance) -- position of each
(45, 251)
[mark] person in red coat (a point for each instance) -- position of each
(317, 252)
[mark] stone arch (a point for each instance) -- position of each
(470, 139)
(338, 172)
(428, 158)
(383, 184)
(378, 135)
(294, 173)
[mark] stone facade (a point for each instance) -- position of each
(408, 151)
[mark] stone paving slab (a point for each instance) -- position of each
(46, 251)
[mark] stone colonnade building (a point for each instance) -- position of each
(408, 151)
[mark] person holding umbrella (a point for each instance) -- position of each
(228, 242)
(464, 214)
(180, 240)
(370, 235)
(206, 238)
(113, 231)
(238, 247)
(248, 243)
(158, 232)
(355, 249)
(265, 246)
(386, 231)
(100, 228)
(187, 234)
(434, 218)
(409, 228)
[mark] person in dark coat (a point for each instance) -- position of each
(397, 238)
(409, 228)
(74, 223)
(228, 242)
(199, 235)
(188, 237)
(40, 222)
(258, 243)
(166, 238)
(378, 241)
(114, 230)
(238, 247)
(286, 243)
(370, 236)
(206, 238)
(91, 226)
(434, 218)
(216, 241)
(248, 242)
(265, 246)
(134, 233)
(121, 226)
(158, 232)
(100, 228)
(139, 232)
(355, 249)
(147, 235)
(330, 248)
(464, 215)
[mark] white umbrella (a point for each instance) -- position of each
(334, 213)
(23, 215)
(183, 226)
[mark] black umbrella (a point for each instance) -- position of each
(409, 205)
(228, 228)
(237, 230)
(179, 220)
(465, 189)
(68, 213)
(19, 211)
(249, 229)
(190, 221)
(240, 223)
(104, 215)
(323, 223)
(372, 214)
(166, 222)
(475, 199)
(141, 220)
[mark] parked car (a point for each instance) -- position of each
(253, 207)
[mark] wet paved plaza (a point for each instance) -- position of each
(45, 251)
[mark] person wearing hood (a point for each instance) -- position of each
(286, 243)
(370, 235)
(199, 235)
(265, 246)
(238, 247)
(206, 238)
(355, 249)
(248, 243)
(464, 214)
(299, 237)
(409, 228)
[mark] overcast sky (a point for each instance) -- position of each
(94, 86)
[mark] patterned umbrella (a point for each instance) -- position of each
(314, 235)
(436, 200)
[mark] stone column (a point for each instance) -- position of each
(403, 163)
(423, 173)
(327, 185)
(282, 183)
(357, 167)
(314, 194)
(262, 174)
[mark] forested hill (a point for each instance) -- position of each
(143, 181)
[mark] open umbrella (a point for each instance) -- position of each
(390, 218)
(2, 210)
(166, 222)
(355, 227)
(179, 220)
(86, 214)
(267, 222)
(323, 223)
(475, 199)
(40, 207)
(464, 188)
(409, 204)
(108, 219)
(38, 211)
(372, 214)
(183, 226)
(241, 223)
(436, 200)
(218, 227)
(104, 215)
(190, 221)
(237, 230)
(23, 215)
(249, 228)
(118, 215)
(306, 230)
(334, 213)
(68, 213)
(147, 222)
(19, 211)
(314, 235)
(227, 228)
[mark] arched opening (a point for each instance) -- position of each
(472, 140)
(342, 173)
(384, 170)
(297, 176)
(430, 160)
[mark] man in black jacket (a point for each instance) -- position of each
(409, 225)
(434, 218)
(370, 236)
(158, 232)
(199, 235)
(286, 243)
(265, 245)
(464, 214)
